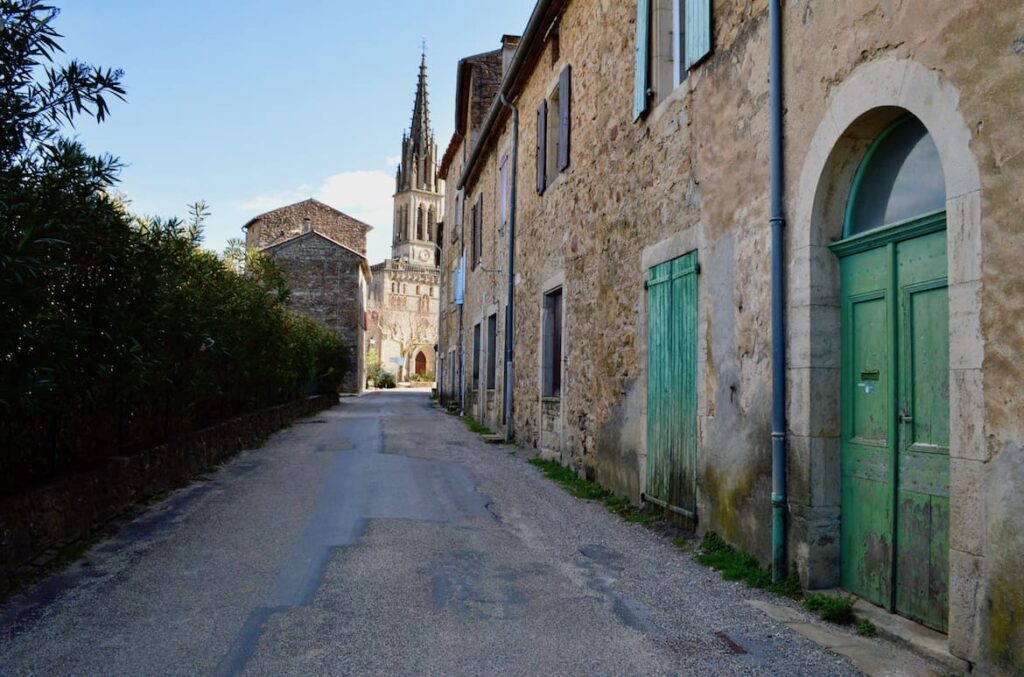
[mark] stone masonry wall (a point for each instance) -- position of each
(325, 284)
(285, 222)
(693, 174)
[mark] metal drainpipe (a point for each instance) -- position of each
(510, 298)
(778, 221)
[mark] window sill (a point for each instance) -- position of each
(549, 398)
(557, 181)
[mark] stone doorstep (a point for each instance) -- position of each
(493, 439)
(921, 640)
(868, 655)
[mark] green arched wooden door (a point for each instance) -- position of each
(894, 319)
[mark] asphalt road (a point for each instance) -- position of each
(381, 537)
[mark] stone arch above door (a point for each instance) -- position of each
(858, 109)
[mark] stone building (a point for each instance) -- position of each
(404, 291)
(322, 254)
(614, 189)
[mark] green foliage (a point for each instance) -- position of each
(591, 491)
(833, 608)
(736, 565)
(866, 628)
(476, 427)
(373, 367)
(386, 380)
(118, 331)
(425, 377)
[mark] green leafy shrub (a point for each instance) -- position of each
(386, 380)
(118, 331)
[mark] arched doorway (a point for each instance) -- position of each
(421, 363)
(894, 380)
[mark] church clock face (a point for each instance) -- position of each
(424, 255)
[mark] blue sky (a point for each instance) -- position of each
(250, 106)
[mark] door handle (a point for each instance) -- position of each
(905, 417)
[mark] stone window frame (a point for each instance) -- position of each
(554, 284)
(856, 111)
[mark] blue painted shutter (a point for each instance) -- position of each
(542, 145)
(460, 281)
(643, 58)
(697, 42)
(564, 117)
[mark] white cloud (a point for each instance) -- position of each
(393, 160)
(365, 195)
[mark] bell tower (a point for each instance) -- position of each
(418, 192)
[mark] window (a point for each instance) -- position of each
(431, 224)
(899, 179)
(492, 345)
(476, 357)
(554, 132)
(551, 349)
(421, 223)
(306, 226)
(672, 36)
(503, 190)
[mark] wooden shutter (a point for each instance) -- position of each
(564, 117)
(473, 237)
(479, 227)
(542, 145)
(643, 58)
(698, 31)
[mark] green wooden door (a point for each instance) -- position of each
(895, 426)
(672, 385)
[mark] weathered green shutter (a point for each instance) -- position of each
(643, 58)
(542, 144)
(564, 117)
(697, 41)
(672, 385)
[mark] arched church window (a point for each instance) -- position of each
(900, 179)
(431, 224)
(421, 226)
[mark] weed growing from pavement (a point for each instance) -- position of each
(834, 608)
(475, 427)
(736, 565)
(866, 628)
(682, 544)
(591, 491)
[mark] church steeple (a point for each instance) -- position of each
(418, 199)
(418, 170)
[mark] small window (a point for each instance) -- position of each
(899, 179)
(306, 226)
(673, 37)
(476, 357)
(551, 358)
(492, 345)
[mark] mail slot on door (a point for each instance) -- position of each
(869, 375)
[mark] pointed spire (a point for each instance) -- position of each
(420, 131)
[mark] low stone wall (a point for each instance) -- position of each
(36, 525)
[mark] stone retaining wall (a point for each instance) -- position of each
(36, 525)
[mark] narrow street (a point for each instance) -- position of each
(382, 537)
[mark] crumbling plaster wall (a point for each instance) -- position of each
(958, 67)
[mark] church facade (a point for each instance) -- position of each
(403, 299)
